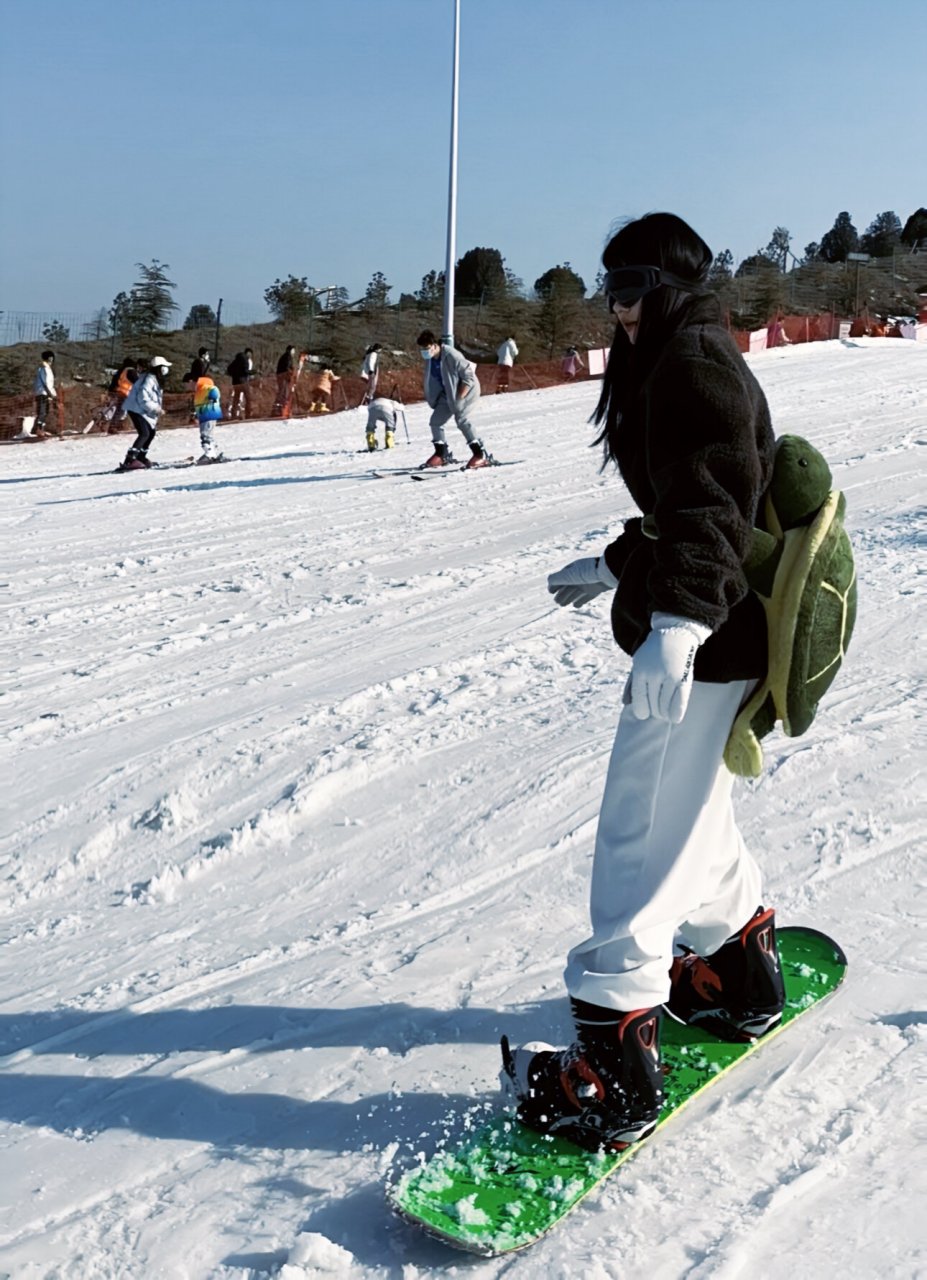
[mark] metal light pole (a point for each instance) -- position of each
(448, 334)
(858, 258)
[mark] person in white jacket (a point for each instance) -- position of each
(505, 359)
(453, 391)
(144, 405)
(43, 388)
(370, 372)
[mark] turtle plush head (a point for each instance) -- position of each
(801, 481)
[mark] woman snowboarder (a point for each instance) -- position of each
(688, 427)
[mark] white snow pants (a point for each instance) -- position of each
(207, 439)
(668, 856)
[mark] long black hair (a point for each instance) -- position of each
(656, 240)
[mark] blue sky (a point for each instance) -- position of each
(239, 142)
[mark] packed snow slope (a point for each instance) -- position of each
(301, 771)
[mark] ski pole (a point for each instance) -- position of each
(406, 425)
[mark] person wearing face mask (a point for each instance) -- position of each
(687, 426)
(144, 405)
(452, 390)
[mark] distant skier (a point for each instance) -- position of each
(688, 427)
(241, 371)
(571, 364)
(776, 335)
(453, 391)
(144, 405)
(381, 410)
(370, 372)
(43, 388)
(119, 388)
(286, 380)
(505, 359)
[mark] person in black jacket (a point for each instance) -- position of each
(200, 366)
(688, 428)
(241, 371)
(286, 379)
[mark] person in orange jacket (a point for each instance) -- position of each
(322, 385)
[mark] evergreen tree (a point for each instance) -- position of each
(290, 301)
(777, 251)
(561, 280)
(121, 316)
(480, 273)
(432, 290)
(751, 266)
(840, 240)
(55, 331)
(812, 253)
(514, 285)
(721, 270)
(915, 230)
(151, 300)
(882, 235)
(201, 316)
(377, 295)
(96, 328)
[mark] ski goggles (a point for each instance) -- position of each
(627, 285)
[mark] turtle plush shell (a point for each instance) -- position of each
(811, 617)
(801, 568)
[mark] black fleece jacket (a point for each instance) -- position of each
(695, 450)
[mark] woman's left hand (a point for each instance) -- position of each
(581, 581)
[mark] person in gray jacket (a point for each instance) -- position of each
(143, 405)
(452, 391)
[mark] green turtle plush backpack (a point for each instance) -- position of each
(800, 566)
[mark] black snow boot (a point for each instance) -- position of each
(737, 993)
(480, 457)
(440, 458)
(606, 1090)
(134, 461)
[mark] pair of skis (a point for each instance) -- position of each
(433, 473)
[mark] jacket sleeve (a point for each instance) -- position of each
(463, 370)
(617, 552)
(707, 474)
(148, 397)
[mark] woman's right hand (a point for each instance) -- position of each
(581, 581)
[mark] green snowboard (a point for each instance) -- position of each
(505, 1186)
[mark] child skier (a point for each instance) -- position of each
(322, 385)
(208, 409)
(381, 410)
(688, 427)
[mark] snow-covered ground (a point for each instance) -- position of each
(302, 770)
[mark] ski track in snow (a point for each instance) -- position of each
(303, 770)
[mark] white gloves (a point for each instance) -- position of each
(581, 581)
(661, 670)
